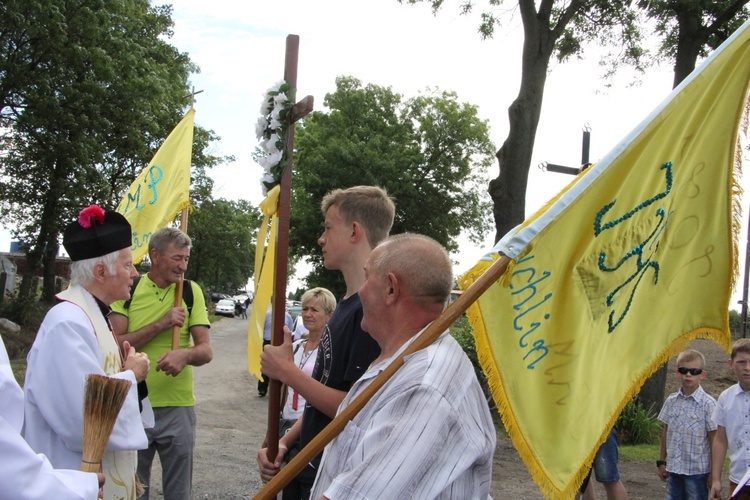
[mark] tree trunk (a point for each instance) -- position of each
(27, 290)
(651, 396)
(508, 190)
(692, 36)
(50, 267)
(49, 230)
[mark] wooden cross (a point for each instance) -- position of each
(192, 95)
(299, 110)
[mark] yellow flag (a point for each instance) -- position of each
(162, 189)
(633, 260)
(265, 270)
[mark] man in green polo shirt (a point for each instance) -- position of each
(146, 321)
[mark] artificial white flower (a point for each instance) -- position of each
(270, 145)
(280, 100)
(270, 131)
(267, 177)
(276, 86)
(265, 106)
(276, 112)
(275, 124)
(275, 157)
(260, 127)
(267, 162)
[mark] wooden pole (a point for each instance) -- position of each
(431, 333)
(282, 250)
(183, 228)
(178, 287)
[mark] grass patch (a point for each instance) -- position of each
(212, 318)
(648, 453)
(639, 452)
(19, 369)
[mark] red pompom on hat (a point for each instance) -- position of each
(96, 233)
(90, 216)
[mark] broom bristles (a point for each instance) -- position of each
(103, 399)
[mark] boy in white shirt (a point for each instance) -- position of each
(733, 432)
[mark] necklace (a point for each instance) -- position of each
(305, 355)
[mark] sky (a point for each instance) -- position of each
(240, 49)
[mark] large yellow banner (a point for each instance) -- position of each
(633, 260)
(162, 189)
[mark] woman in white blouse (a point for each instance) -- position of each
(318, 305)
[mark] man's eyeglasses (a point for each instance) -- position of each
(691, 371)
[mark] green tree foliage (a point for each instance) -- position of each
(551, 28)
(88, 89)
(223, 234)
(690, 29)
(735, 323)
(430, 153)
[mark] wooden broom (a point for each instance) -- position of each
(102, 402)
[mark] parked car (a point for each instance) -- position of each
(216, 296)
(225, 307)
(294, 308)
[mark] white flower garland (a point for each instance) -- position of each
(270, 131)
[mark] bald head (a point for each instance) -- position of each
(421, 264)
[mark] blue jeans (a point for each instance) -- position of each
(682, 487)
(605, 462)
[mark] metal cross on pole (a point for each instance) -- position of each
(560, 169)
(299, 110)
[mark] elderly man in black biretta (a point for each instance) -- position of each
(75, 340)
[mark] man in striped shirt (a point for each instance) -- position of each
(428, 432)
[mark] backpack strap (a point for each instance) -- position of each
(136, 280)
(187, 294)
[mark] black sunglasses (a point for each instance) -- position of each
(692, 371)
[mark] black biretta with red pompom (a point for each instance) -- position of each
(96, 233)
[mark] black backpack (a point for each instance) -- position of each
(187, 294)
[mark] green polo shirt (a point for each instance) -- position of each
(148, 304)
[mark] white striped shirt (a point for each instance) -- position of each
(426, 434)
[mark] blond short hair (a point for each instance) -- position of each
(369, 205)
(689, 355)
(740, 346)
(324, 296)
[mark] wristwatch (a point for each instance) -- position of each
(659, 463)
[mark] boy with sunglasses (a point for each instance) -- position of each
(685, 455)
(733, 432)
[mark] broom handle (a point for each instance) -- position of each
(431, 333)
